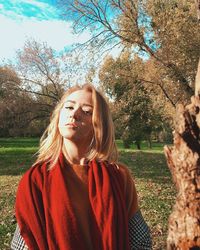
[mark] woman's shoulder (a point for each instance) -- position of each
(34, 175)
(124, 169)
(129, 188)
(125, 173)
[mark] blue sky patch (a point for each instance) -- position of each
(18, 9)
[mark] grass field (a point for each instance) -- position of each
(152, 178)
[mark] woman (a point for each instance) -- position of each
(75, 196)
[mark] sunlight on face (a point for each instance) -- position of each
(75, 120)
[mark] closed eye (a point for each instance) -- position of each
(69, 107)
(87, 112)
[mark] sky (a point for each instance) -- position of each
(21, 20)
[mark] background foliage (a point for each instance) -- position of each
(154, 70)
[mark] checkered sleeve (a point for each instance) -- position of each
(18, 242)
(139, 233)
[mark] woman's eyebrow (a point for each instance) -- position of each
(84, 104)
(70, 101)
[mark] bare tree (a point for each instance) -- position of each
(40, 71)
(142, 24)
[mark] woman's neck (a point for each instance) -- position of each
(75, 154)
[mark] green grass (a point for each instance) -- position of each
(16, 155)
(155, 189)
(153, 182)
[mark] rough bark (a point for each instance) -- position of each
(183, 159)
(198, 9)
(197, 80)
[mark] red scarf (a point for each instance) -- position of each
(45, 225)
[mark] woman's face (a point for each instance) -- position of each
(75, 120)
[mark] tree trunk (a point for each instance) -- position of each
(197, 80)
(183, 159)
(198, 9)
(149, 143)
(138, 145)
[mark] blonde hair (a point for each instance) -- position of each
(103, 146)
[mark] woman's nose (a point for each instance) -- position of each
(75, 113)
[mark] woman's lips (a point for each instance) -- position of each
(71, 124)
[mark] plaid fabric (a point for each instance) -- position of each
(18, 242)
(139, 235)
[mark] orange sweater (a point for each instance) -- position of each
(78, 188)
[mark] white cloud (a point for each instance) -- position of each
(19, 10)
(56, 33)
(41, 5)
(115, 52)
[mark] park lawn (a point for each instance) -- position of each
(152, 178)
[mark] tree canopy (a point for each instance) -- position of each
(134, 114)
(165, 32)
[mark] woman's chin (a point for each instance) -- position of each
(69, 136)
(67, 132)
